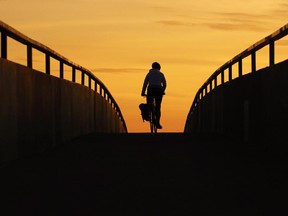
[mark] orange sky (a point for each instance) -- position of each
(119, 39)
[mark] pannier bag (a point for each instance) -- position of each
(144, 111)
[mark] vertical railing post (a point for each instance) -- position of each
(222, 77)
(3, 45)
(89, 82)
(253, 61)
(73, 74)
(230, 73)
(100, 91)
(29, 56)
(271, 53)
(61, 68)
(215, 82)
(95, 86)
(240, 68)
(47, 64)
(83, 78)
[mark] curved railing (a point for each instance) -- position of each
(7, 31)
(211, 83)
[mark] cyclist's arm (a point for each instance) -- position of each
(164, 84)
(145, 84)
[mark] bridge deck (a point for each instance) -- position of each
(144, 174)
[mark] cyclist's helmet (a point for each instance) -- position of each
(156, 65)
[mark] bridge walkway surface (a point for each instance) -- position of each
(145, 174)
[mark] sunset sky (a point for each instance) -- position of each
(119, 39)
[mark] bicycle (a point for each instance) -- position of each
(152, 116)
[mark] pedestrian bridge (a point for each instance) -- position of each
(65, 148)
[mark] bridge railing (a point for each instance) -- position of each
(92, 81)
(221, 72)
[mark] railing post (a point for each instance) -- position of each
(240, 68)
(95, 86)
(100, 92)
(230, 73)
(215, 82)
(61, 69)
(83, 78)
(47, 64)
(222, 77)
(253, 61)
(73, 74)
(271, 53)
(3, 45)
(29, 56)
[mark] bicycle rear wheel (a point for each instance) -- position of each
(153, 127)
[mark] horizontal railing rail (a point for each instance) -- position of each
(9, 32)
(211, 82)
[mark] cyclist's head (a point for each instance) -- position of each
(156, 65)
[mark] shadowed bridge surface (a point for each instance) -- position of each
(146, 174)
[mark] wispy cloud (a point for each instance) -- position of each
(249, 21)
(224, 22)
(118, 70)
(238, 21)
(174, 23)
(235, 26)
(280, 11)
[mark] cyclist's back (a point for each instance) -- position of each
(155, 83)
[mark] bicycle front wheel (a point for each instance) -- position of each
(153, 127)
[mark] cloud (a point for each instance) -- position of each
(238, 21)
(225, 22)
(235, 26)
(174, 23)
(118, 70)
(249, 21)
(280, 11)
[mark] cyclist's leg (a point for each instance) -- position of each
(158, 100)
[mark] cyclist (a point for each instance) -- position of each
(155, 83)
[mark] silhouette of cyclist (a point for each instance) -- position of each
(155, 83)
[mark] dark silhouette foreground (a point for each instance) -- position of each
(146, 174)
